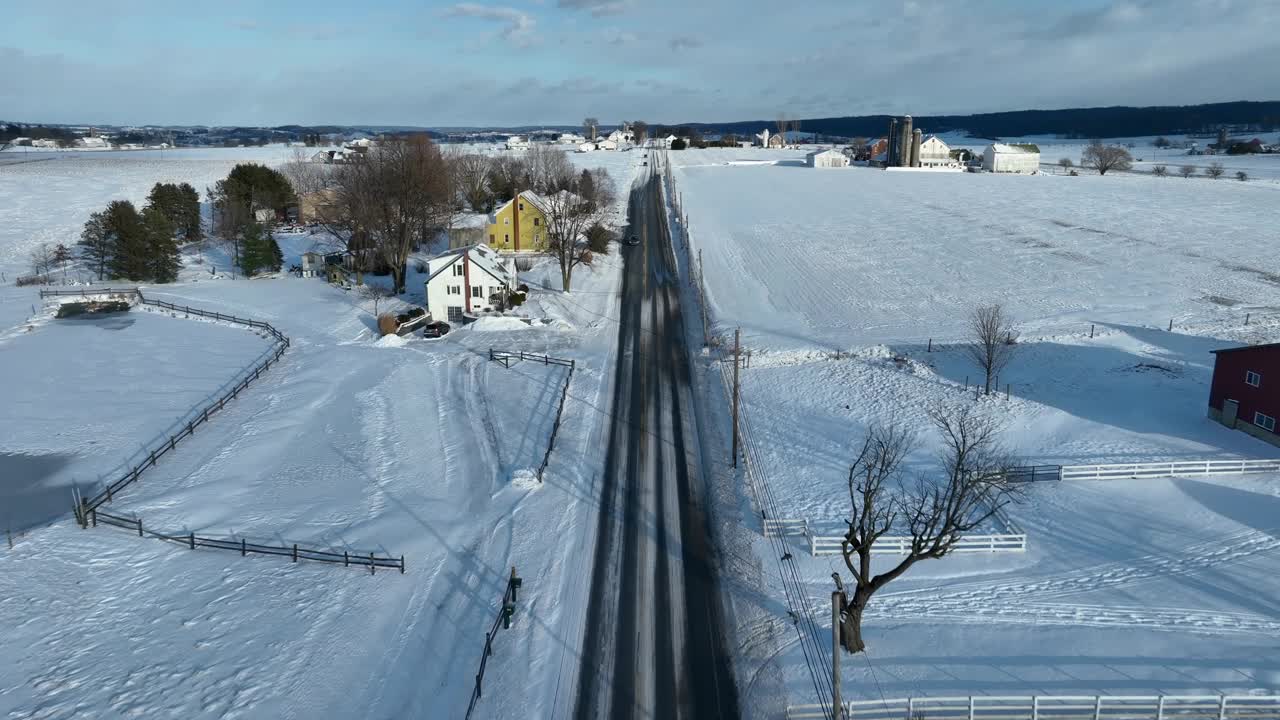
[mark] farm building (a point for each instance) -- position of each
(934, 153)
(467, 281)
(827, 159)
(1245, 392)
(1021, 158)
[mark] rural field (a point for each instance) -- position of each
(852, 288)
(399, 446)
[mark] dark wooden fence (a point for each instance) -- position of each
(506, 357)
(503, 620)
(244, 547)
(1033, 473)
(199, 416)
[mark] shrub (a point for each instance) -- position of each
(1242, 176)
(1075, 174)
(679, 144)
(523, 288)
(1214, 170)
(598, 239)
(32, 280)
(587, 257)
(1160, 171)
(516, 299)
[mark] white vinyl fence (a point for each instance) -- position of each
(901, 545)
(1055, 707)
(1187, 468)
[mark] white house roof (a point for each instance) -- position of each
(1011, 149)
(482, 256)
(828, 151)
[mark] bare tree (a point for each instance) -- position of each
(1066, 163)
(1187, 171)
(1242, 176)
(42, 259)
(589, 128)
(782, 124)
(305, 176)
(547, 170)
(640, 129)
(993, 341)
(472, 171)
(1215, 170)
(1104, 158)
(934, 513)
(1162, 142)
(1160, 171)
(398, 196)
(570, 212)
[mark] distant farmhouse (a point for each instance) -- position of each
(907, 147)
(1016, 158)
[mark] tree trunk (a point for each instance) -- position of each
(851, 629)
(566, 277)
(397, 279)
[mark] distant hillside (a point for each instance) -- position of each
(1076, 122)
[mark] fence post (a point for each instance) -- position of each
(1097, 707)
(243, 548)
(191, 539)
(139, 527)
(295, 552)
(93, 518)
(401, 564)
(1222, 708)
(1035, 707)
(970, 707)
(373, 569)
(1160, 707)
(346, 560)
(911, 703)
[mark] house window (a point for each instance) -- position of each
(476, 291)
(457, 271)
(491, 238)
(1266, 422)
(537, 222)
(506, 239)
(454, 290)
(1252, 378)
(506, 221)
(521, 207)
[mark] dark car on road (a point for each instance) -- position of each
(435, 330)
(633, 240)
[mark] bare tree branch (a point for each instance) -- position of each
(993, 341)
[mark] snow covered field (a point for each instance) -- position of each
(840, 278)
(414, 447)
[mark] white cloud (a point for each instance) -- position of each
(518, 26)
(597, 8)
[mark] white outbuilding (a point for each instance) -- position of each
(935, 153)
(827, 159)
(1021, 158)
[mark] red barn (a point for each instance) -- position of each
(1245, 393)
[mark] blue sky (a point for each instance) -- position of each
(518, 62)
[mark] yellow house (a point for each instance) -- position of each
(520, 225)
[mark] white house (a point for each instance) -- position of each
(587, 147)
(620, 137)
(935, 153)
(468, 281)
(92, 142)
(1011, 158)
(516, 142)
(827, 159)
(571, 139)
(312, 264)
(607, 144)
(665, 142)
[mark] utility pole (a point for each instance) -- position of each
(737, 349)
(837, 600)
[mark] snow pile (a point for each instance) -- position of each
(525, 479)
(390, 341)
(498, 323)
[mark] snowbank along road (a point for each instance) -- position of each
(654, 645)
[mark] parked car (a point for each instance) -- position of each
(436, 329)
(633, 240)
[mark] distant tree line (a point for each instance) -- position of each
(121, 242)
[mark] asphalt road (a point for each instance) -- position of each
(654, 644)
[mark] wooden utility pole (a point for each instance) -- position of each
(737, 351)
(837, 600)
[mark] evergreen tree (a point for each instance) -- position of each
(189, 225)
(277, 257)
(96, 244)
(162, 247)
(129, 251)
(246, 189)
(255, 253)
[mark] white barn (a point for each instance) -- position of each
(516, 142)
(468, 281)
(827, 159)
(935, 153)
(1011, 158)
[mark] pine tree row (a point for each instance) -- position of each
(121, 242)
